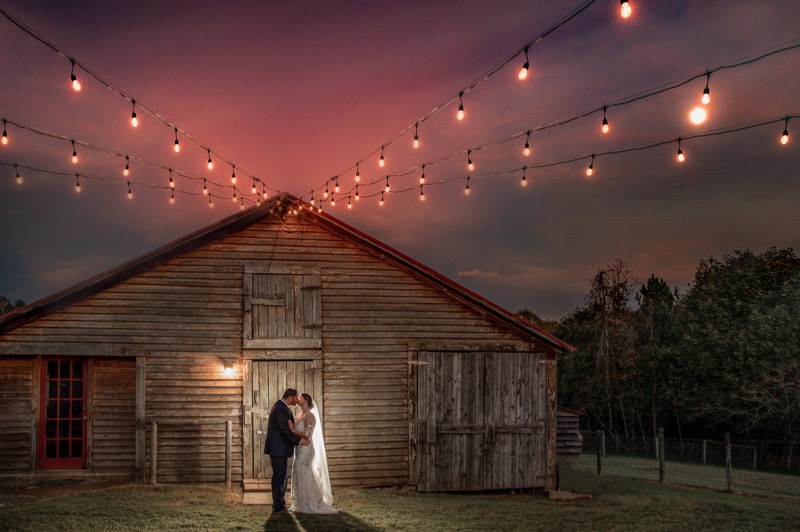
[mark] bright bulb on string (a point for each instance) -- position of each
(460, 113)
(386, 188)
(172, 197)
(470, 164)
(466, 190)
(130, 192)
(5, 134)
(381, 161)
(19, 177)
(524, 180)
(127, 169)
(421, 194)
(210, 163)
(785, 136)
(625, 9)
(358, 175)
(416, 135)
(681, 157)
(381, 202)
(205, 188)
(706, 96)
(523, 72)
(698, 115)
(77, 183)
(590, 169)
(605, 127)
(134, 120)
(76, 85)
(74, 154)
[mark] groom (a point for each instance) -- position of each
(280, 446)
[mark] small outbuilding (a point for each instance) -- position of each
(165, 367)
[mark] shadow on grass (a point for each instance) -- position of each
(317, 523)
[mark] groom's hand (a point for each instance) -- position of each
(304, 441)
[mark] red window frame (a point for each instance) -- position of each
(62, 413)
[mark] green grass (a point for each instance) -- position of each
(618, 504)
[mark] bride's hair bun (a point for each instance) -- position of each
(308, 400)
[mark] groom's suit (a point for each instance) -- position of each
(280, 445)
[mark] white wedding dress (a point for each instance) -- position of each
(311, 485)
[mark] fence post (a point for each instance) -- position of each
(661, 454)
(153, 450)
(599, 452)
(603, 441)
(704, 452)
(755, 455)
(228, 431)
(728, 461)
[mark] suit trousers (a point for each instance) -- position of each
(279, 480)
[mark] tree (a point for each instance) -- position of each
(6, 305)
(531, 317)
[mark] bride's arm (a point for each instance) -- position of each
(310, 423)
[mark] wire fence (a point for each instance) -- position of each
(758, 468)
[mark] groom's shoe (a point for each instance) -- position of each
(283, 510)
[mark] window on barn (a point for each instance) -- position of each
(282, 308)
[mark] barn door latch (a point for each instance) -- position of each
(255, 397)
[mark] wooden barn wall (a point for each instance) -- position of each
(113, 417)
(17, 384)
(186, 314)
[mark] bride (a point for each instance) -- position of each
(311, 485)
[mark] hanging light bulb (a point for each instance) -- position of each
(171, 182)
(387, 184)
(134, 120)
(336, 184)
(76, 85)
(258, 201)
(312, 200)
(466, 190)
(706, 92)
(210, 203)
(358, 175)
(171, 197)
(625, 8)
(333, 201)
(785, 136)
(74, 154)
(127, 169)
(381, 202)
(422, 177)
(681, 157)
(524, 181)
(416, 135)
(357, 196)
(205, 188)
(526, 151)
(234, 198)
(19, 178)
(130, 193)
(77, 183)
(523, 72)
(470, 164)
(326, 194)
(460, 113)
(349, 205)
(698, 115)
(590, 169)
(241, 205)
(254, 190)
(5, 134)
(210, 163)
(421, 193)
(264, 190)
(381, 161)
(177, 146)
(605, 127)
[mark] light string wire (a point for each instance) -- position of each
(549, 164)
(744, 61)
(110, 151)
(135, 101)
(477, 81)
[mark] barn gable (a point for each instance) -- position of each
(205, 331)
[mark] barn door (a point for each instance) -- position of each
(266, 384)
(62, 414)
(479, 421)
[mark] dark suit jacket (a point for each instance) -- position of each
(280, 438)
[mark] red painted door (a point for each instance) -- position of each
(62, 427)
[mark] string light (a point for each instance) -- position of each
(76, 85)
(210, 203)
(264, 191)
(234, 195)
(336, 184)
(5, 134)
(177, 146)
(19, 178)
(358, 175)
(698, 115)
(333, 201)
(254, 190)
(785, 136)
(706, 92)
(233, 175)
(421, 193)
(130, 192)
(127, 169)
(605, 127)
(523, 72)
(460, 113)
(590, 169)
(241, 205)
(77, 183)
(422, 177)
(205, 189)
(381, 202)
(625, 8)
(326, 194)
(524, 181)
(312, 200)
(171, 182)
(416, 135)
(526, 151)
(387, 184)
(74, 154)
(681, 157)
(466, 190)
(349, 205)
(357, 196)
(210, 163)
(470, 164)
(134, 120)
(258, 201)
(381, 161)
(172, 197)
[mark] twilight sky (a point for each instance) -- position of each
(297, 92)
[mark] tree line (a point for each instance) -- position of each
(723, 357)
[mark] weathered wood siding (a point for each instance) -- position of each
(112, 412)
(185, 316)
(17, 382)
(568, 436)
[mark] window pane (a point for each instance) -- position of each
(52, 389)
(52, 369)
(63, 408)
(77, 409)
(77, 389)
(63, 389)
(64, 369)
(63, 429)
(50, 429)
(77, 428)
(77, 369)
(50, 449)
(63, 449)
(52, 408)
(77, 448)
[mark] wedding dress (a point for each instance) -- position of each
(311, 485)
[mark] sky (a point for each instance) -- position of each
(298, 92)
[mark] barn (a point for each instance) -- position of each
(165, 367)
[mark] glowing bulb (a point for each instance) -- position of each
(590, 169)
(210, 163)
(127, 169)
(524, 181)
(706, 96)
(421, 194)
(785, 137)
(523, 72)
(698, 115)
(134, 120)
(387, 184)
(254, 190)
(74, 154)
(460, 113)
(358, 175)
(625, 8)
(233, 175)
(336, 186)
(381, 202)
(241, 208)
(171, 182)
(422, 177)
(681, 156)
(605, 127)
(357, 196)
(416, 141)
(130, 193)
(264, 192)
(177, 146)
(416, 135)
(172, 197)
(205, 188)
(381, 161)
(333, 201)
(19, 178)
(210, 203)
(326, 194)
(526, 151)
(77, 183)
(5, 134)
(470, 164)
(466, 190)
(349, 205)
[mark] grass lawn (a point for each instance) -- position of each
(618, 504)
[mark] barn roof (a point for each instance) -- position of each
(245, 218)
